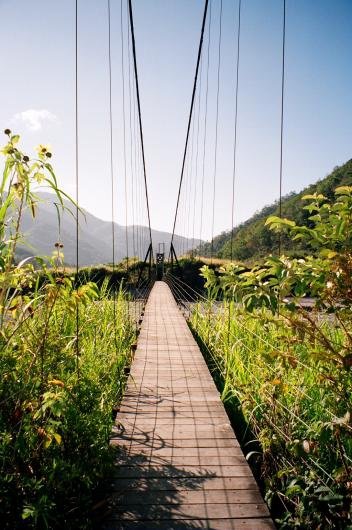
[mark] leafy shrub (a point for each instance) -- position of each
(58, 382)
(289, 365)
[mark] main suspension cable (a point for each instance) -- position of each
(190, 117)
(140, 118)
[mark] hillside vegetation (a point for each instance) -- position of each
(253, 240)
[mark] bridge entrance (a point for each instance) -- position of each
(160, 258)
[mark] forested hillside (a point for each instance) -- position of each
(252, 239)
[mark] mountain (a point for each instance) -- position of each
(252, 240)
(95, 236)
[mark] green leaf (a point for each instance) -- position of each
(343, 190)
(328, 253)
(293, 490)
(315, 196)
(8, 166)
(57, 437)
(47, 443)
(28, 511)
(4, 207)
(39, 177)
(274, 220)
(340, 227)
(15, 138)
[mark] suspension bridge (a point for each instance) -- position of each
(179, 464)
(140, 391)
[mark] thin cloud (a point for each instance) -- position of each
(34, 119)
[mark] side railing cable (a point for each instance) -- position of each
(185, 295)
(138, 295)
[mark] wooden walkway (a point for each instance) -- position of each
(180, 465)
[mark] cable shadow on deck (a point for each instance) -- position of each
(147, 491)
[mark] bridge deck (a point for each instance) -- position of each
(180, 465)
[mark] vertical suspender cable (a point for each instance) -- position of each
(197, 153)
(136, 174)
(140, 201)
(282, 113)
(111, 142)
(205, 135)
(140, 119)
(216, 132)
(190, 117)
(189, 194)
(229, 301)
(77, 181)
(235, 136)
(112, 171)
(131, 143)
(124, 132)
(281, 132)
(182, 210)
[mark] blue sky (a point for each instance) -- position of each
(37, 66)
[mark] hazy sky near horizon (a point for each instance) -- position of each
(37, 98)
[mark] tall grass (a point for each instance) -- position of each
(60, 376)
(55, 421)
(296, 405)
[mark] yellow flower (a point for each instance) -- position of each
(43, 150)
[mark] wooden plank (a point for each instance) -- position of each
(142, 484)
(219, 443)
(186, 524)
(154, 459)
(162, 418)
(160, 511)
(171, 452)
(169, 471)
(179, 464)
(191, 497)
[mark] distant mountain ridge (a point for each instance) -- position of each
(253, 240)
(95, 236)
